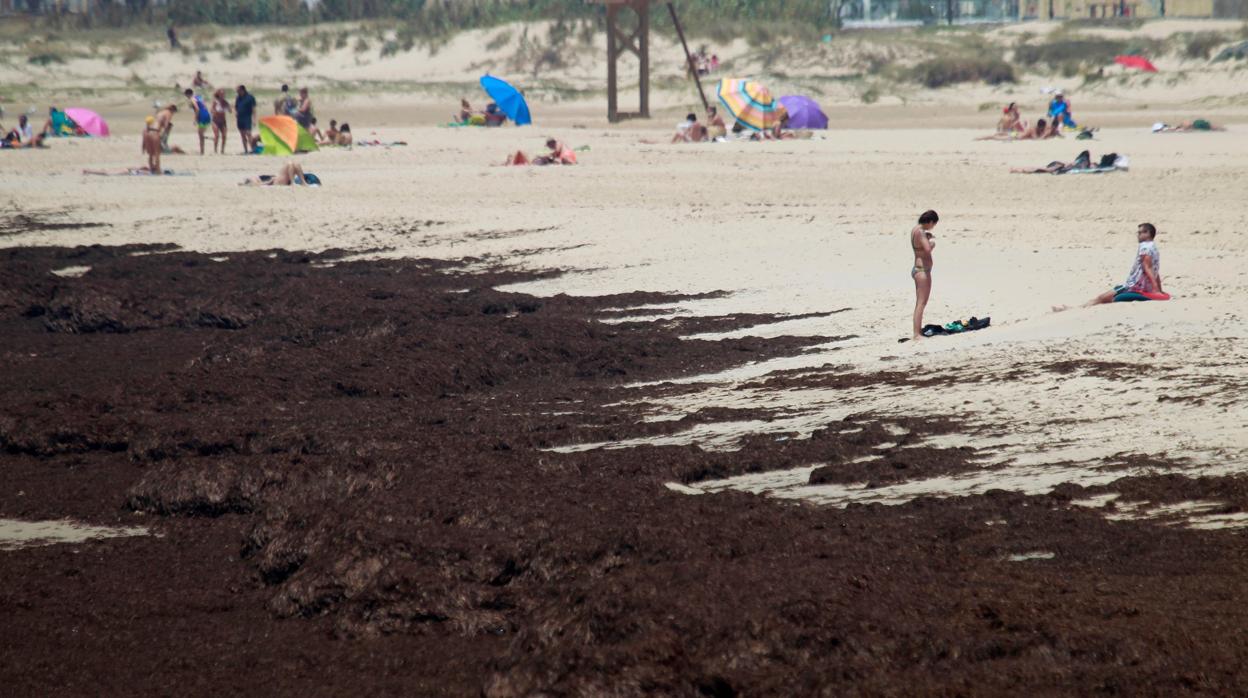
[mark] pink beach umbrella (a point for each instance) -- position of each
(88, 121)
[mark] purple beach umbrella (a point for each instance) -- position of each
(804, 112)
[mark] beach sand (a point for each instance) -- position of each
(1047, 402)
(793, 227)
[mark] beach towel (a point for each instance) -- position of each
(956, 327)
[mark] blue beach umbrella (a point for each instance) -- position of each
(508, 99)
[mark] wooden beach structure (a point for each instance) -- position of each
(636, 42)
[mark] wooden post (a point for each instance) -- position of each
(642, 8)
(639, 44)
(693, 68)
(613, 52)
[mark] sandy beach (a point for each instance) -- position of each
(1115, 431)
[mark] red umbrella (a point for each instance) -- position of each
(1138, 62)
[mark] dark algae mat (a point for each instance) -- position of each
(346, 470)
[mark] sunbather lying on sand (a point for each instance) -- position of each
(1187, 126)
(1081, 163)
(128, 172)
(1145, 274)
(290, 174)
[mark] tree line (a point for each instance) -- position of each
(446, 15)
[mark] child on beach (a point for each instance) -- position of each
(922, 242)
(1145, 274)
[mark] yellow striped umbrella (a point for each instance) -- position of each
(750, 103)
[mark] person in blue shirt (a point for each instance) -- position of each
(244, 112)
(1059, 110)
(203, 117)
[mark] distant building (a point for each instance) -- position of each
(882, 13)
(1099, 9)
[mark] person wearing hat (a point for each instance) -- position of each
(1059, 110)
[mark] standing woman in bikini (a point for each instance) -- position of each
(923, 242)
(220, 107)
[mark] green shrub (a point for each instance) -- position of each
(340, 42)
(45, 58)
(296, 58)
(132, 53)
(1237, 52)
(499, 40)
(361, 45)
(1200, 46)
(237, 50)
(870, 96)
(1062, 51)
(939, 72)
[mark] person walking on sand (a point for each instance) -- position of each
(1145, 274)
(203, 115)
(922, 242)
(244, 112)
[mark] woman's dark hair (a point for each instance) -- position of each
(928, 217)
(345, 128)
(1150, 229)
(1039, 123)
(691, 117)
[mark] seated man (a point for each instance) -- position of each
(690, 131)
(330, 136)
(1145, 275)
(716, 127)
(1059, 111)
(23, 136)
(494, 116)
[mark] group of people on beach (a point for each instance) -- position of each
(25, 136)
(467, 116)
(1143, 280)
(1012, 127)
(716, 129)
(211, 113)
(701, 63)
